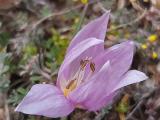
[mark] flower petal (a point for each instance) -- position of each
(132, 76)
(93, 90)
(71, 63)
(100, 102)
(120, 57)
(97, 29)
(46, 100)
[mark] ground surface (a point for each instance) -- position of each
(34, 35)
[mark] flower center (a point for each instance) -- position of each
(79, 76)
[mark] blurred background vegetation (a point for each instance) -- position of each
(34, 35)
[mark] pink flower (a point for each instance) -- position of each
(88, 77)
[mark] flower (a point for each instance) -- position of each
(154, 55)
(144, 46)
(89, 76)
(152, 38)
(84, 1)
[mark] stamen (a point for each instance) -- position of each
(70, 84)
(83, 63)
(92, 66)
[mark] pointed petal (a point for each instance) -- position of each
(120, 57)
(132, 76)
(71, 63)
(97, 29)
(46, 100)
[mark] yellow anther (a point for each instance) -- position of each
(71, 86)
(92, 66)
(84, 1)
(154, 55)
(83, 63)
(152, 38)
(144, 46)
(66, 92)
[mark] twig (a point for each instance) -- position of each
(143, 100)
(135, 109)
(126, 24)
(102, 7)
(54, 14)
(129, 23)
(7, 116)
(6, 15)
(100, 116)
(40, 57)
(45, 75)
(82, 18)
(14, 84)
(141, 114)
(55, 72)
